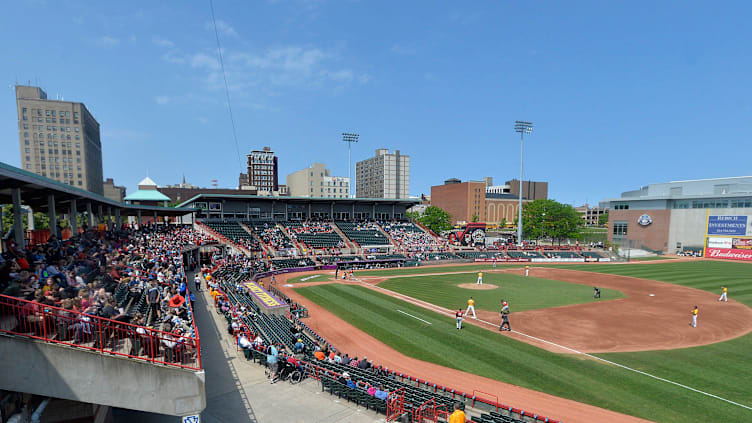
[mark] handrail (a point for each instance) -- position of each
(67, 327)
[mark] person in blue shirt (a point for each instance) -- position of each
(192, 298)
(271, 361)
(381, 393)
(182, 287)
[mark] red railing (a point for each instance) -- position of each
(59, 326)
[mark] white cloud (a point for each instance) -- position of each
(223, 28)
(162, 99)
(202, 60)
(107, 41)
(162, 42)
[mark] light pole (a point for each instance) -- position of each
(523, 128)
(349, 138)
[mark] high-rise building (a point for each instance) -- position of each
(262, 171)
(531, 190)
(59, 139)
(112, 191)
(317, 181)
(386, 175)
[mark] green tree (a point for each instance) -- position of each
(503, 223)
(435, 219)
(474, 218)
(550, 219)
(603, 219)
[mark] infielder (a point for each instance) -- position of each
(527, 270)
(471, 307)
(480, 278)
(596, 292)
(695, 311)
(458, 314)
(724, 294)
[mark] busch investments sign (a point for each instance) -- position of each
(727, 225)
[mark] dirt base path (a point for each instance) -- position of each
(358, 343)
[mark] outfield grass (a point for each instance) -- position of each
(522, 293)
(651, 258)
(493, 355)
(310, 278)
(421, 270)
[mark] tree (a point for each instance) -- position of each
(503, 223)
(603, 219)
(474, 218)
(549, 218)
(435, 219)
(41, 220)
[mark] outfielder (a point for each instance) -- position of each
(480, 278)
(724, 294)
(527, 270)
(458, 314)
(471, 307)
(695, 311)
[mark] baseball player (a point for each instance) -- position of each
(494, 263)
(458, 315)
(504, 322)
(527, 270)
(596, 292)
(480, 278)
(504, 307)
(471, 307)
(724, 294)
(695, 311)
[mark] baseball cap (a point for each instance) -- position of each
(345, 374)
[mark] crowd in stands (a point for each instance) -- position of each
(411, 238)
(126, 275)
(272, 235)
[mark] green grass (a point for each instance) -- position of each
(722, 369)
(651, 258)
(522, 293)
(421, 270)
(701, 274)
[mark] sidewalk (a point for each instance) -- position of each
(238, 391)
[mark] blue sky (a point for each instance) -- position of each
(621, 93)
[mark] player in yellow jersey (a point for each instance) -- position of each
(471, 307)
(724, 294)
(695, 312)
(527, 270)
(480, 278)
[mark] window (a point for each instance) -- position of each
(52, 112)
(27, 150)
(77, 131)
(24, 110)
(47, 112)
(77, 137)
(26, 126)
(620, 229)
(28, 159)
(79, 183)
(26, 142)
(26, 135)
(621, 206)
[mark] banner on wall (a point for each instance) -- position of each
(728, 253)
(717, 242)
(742, 243)
(727, 225)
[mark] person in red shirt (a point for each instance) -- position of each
(458, 315)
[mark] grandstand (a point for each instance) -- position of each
(271, 235)
(364, 234)
(410, 237)
(235, 233)
(315, 235)
(290, 263)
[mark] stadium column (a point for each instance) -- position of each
(352, 216)
(118, 222)
(331, 211)
(109, 218)
(373, 211)
(309, 210)
(392, 211)
(139, 219)
(155, 218)
(100, 218)
(89, 215)
(18, 231)
(73, 217)
(51, 214)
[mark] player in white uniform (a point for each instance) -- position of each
(471, 307)
(480, 278)
(527, 270)
(724, 294)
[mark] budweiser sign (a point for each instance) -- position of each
(728, 253)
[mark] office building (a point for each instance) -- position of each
(386, 175)
(317, 182)
(262, 172)
(710, 214)
(112, 191)
(530, 190)
(591, 215)
(466, 200)
(59, 139)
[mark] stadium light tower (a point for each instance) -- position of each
(349, 138)
(523, 128)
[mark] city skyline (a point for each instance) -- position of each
(610, 103)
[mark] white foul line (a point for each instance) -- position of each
(414, 317)
(443, 310)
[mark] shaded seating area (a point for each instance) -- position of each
(234, 232)
(363, 233)
(290, 263)
(315, 235)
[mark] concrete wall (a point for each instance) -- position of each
(69, 373)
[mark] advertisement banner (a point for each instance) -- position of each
(727, 225)
(743, 243)
(716, 242)
(728, 253)
(558, 260)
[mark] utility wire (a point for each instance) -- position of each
(227, 87)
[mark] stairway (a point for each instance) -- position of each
(264, 247)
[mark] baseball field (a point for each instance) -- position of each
(642, 317)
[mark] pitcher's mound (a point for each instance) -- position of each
(485, 286)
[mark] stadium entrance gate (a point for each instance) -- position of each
(395, 404)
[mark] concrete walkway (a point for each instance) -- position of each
(238, 391)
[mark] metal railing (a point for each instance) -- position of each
(55, 325)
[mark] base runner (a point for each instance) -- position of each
(471, 307)
(458, 314)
